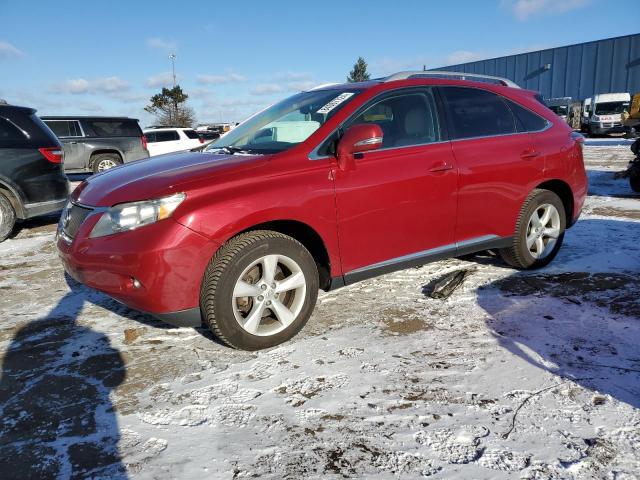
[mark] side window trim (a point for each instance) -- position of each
(444, 127)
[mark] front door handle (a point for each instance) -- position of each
(441, 167)
(529, 154)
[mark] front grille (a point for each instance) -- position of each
(73, 217)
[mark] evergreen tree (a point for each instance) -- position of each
(359, 72)
(170, 109)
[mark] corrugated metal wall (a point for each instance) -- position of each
(577, 71)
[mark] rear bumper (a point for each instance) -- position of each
(156, 269)
(42, 208)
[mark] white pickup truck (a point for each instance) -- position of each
(606, 113)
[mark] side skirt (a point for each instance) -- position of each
(421, 258)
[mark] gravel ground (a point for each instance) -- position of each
(516, 375)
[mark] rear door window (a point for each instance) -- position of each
(65, 128)
(115, 128)
(167, 136)
(9, 132)
(474, 112)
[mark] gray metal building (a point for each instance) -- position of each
(578, 71)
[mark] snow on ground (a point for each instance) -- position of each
(516, 375)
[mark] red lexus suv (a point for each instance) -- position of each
(324, 189)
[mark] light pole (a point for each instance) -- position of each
(172, 57)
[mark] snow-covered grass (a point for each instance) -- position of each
(516, 375)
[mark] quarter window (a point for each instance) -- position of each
(527, 120)
(477, 113)
(405, 119)
(191, 134)
(9, 132)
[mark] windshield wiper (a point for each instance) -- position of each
(232, 150)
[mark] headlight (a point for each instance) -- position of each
(128, 216)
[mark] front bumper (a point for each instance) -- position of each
(156, 269)
(606, 127)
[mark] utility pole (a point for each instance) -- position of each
(172, 57)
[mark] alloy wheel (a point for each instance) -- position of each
(106, 165)
(543, 231)
(269, 295)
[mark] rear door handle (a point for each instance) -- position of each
(529, 154)
(441, 167)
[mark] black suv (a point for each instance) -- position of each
(32, 181)
(94, 144)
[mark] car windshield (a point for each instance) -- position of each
(611, 108)
(285, 124)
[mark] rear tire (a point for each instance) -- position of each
(539, 231)
(7, 217)
(105, 161)
(259, 290)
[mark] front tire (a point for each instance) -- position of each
(259, 290)
(634, 183)
(539, 231)
(7, 217)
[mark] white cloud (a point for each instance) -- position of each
(301, 86)
(291, 76)
(388, 65)
(9, 51)
(164, 79)
(464, 56)
(266, 89)
(230, 77)
(524, 9)
(79, 86)
(168, 46)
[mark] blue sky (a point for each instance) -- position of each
(234, 57)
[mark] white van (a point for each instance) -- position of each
(605, 115)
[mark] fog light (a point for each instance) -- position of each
(136, 283)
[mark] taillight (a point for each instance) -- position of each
(201, 139)
(144, 141)
(53, 154)
(579, 139)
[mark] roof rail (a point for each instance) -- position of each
(459, 75)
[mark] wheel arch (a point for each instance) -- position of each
(14, 198)
(563, 190)
(308, 237)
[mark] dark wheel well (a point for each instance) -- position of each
(309, 238)
(563, 190)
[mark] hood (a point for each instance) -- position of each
(161, 176)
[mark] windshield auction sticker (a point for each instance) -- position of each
(335, 102)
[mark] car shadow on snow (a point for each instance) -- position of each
(56, 417)
(603, 183)
(578, 318)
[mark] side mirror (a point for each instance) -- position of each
(358, 139)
